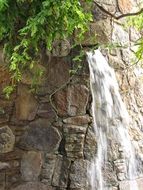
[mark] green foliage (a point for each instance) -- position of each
(28, 25)
(137, 22)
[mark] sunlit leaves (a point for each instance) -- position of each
(26, 24)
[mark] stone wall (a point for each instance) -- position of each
(46, 137)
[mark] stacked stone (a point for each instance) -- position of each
(43, 141)
(47, 142)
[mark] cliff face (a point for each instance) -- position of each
(46, 138)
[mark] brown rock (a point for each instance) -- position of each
(32, 186)
(125, 6)
(7, 139)
(31, 166)
(57, 74)
(26, 104)
(60, 100)
(99, 32)
(4, 77)
(77, 97)
(72, 101)
(79, 120)
(40, 136)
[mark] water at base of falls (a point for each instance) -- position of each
(110, 120)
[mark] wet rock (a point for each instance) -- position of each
(110, 175)
(60, 176)
(31, 166)
(7, 139)
(78, 175)
(79, 120)
(40, 136)
(26, 104)
(32, 186)
(125, 185)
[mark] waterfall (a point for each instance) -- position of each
(110, 118)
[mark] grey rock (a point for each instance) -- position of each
(32, 186)
(40, 136)
(7, 139)
(60, 176)
(109, 5)
(4, 165)
(120, 36)
(48, 168)
(78, 175)
(74, 129)
(90, 145)
(45, 110)
(31, 166)
(74, 140)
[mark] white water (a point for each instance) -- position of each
(110, 116)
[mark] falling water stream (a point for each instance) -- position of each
(110, 116)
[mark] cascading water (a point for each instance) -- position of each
(110, 119)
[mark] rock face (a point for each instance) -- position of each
(47, 139)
